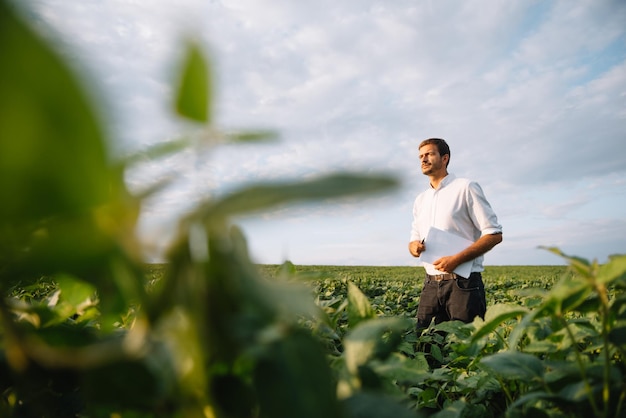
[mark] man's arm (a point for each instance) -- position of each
(478, 248)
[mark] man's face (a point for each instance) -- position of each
(432, 162)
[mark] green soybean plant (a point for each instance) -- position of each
(559, 355)
(566, 356)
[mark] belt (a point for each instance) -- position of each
(442, 277)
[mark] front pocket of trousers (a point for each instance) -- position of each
(468, 285)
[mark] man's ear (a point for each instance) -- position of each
(446, 159)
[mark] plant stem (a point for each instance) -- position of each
(602, 293)
(506, 344)
(620, 403)
(581, 367)
(506, 391)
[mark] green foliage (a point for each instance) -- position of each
(85, 328)
(194, 93)
(45, 123)
(551, 343)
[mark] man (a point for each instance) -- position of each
(458, 206)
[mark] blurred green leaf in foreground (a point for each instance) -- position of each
(211, 338)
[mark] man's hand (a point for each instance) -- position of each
(446, 264)
(416, 248)
(480, 247)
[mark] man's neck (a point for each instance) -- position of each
(435, 180)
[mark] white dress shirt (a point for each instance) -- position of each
(458, 206)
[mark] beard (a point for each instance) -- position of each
(428, 169)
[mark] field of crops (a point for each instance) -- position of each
(518, 362)
(395, 289)
(541, 350)
(544, 349)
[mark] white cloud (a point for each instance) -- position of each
(530, 96)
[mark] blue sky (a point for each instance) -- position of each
(530, 95)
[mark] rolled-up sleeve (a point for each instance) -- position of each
(481, 213)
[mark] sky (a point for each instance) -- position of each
(530, 95)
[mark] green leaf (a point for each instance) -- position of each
(53, 159)
(576, 392)
(513, 365)
(543, 347)
(75, 296)
(578, 264)
(568, 294)
(460, 330)
(141, 384)
(427, 397)
(454, 410)
(293, 379)
(194, 93)
(375, 405)
(531, 398)
(261, 197)
(252, 136)
(228, 298)
(435, 351)
(359, 308)
(613, 271)
(589, 305)
(403, 369)
(365, 342)
(495, 316)
(618, 306)
(163, 149)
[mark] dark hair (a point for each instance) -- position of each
(442, 146)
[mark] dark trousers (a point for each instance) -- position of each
(458, 299)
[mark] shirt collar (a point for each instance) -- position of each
(446, 180)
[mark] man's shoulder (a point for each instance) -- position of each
(461, 182)
(464, 185)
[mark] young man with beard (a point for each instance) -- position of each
(458, 206)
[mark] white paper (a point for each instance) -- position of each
(441, 243)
